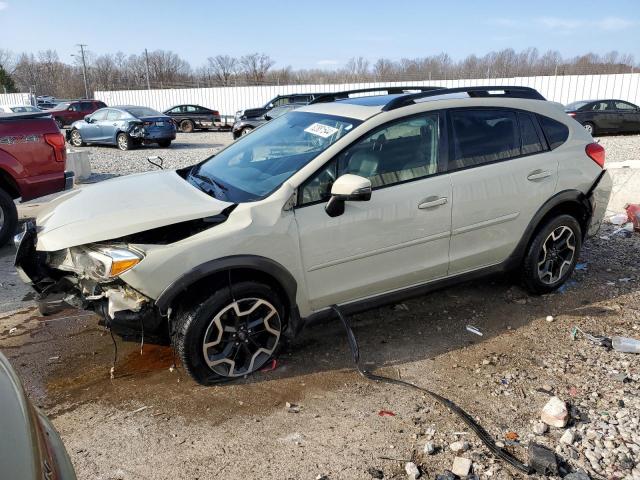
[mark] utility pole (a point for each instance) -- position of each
(84, 70)
(146, 61)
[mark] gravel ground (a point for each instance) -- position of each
(313, 417)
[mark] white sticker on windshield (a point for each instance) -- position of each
(321, 130)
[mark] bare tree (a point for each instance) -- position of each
(223, 68)
(255, 67)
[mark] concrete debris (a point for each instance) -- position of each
(412, 470)
(429, 448)
(577, 476)
(461, 466)
(555, 413)
(568, 437)
(540, 428)
(459, 446)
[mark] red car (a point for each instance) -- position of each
(66, 113)
(32, 164)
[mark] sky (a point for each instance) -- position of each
(322, 33)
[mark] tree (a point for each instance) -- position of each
(223, 68)
(7, 84)
(255, 67)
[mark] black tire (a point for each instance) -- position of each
(59, 123)
(123, 141)
(546, 269)
(589, 127)
(75, 138)
(245, 131)
(201, 320)
(164, 143)
(9, 216)
(186, 126)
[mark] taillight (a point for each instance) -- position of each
(148, 124)
(216, 113)
(56, 140)
(572, 114)
(595, 151)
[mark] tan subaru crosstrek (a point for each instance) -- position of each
(358, 199)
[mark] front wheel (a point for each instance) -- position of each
(589, 127)
(552, 254)
(229, 334)
(124, 141)
(245, 131)
(76, 138)
(8, 217)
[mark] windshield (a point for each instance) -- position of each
(143, 112)
(575, 106)
(256, 165)
(62, 106)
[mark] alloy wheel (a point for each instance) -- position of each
(589, 128)
(76, 138)
(122, 142)
(556, 255)
(242, 337)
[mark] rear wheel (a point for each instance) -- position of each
(124, 141)
(589, 127)
(227, 336)
(245, 131)
(76, 138)
(552, 254)
(186, 126)
(8, 217)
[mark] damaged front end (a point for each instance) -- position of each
(87, 278)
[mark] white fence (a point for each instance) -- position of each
(228, 100)
(16, 99)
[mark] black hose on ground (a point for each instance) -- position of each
(466, 418)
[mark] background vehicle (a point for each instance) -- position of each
(245, 126)
(297, 98)
(606, 116)
(432, 187)
(66, 113)
(32, 164)
(190, 117)
(125, 126)
(19, 109)
(30, 447)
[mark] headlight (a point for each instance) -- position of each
(103, 263)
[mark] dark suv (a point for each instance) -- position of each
(66, 113)
(297, 98)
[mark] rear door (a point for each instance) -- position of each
(398, 238)
(629, 115)
(606, 117)
(501, 173)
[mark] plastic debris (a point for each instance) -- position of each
(513, 436)
(474, 330)
(542, 460)
(625, 230)
(386, 413)
(618, 219)
(625, 344)
(599, 341)
(633, 215)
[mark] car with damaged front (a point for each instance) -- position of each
(126, 127)
(359, 199)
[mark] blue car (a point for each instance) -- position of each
(125, 126)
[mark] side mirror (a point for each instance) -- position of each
(87, 118)
(348, 187)
(267, 117)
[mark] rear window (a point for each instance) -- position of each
(143, 112)
(484, 136)
(556, 132)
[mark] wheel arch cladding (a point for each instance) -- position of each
(571, 202)
(234, 268)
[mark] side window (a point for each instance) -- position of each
(624, 106)
(99, 115)
(86, 106)
(556, 132)
(599, 106)
(113, 115)
(191, 109)
(75, 107)
(483, 136)
(531, 142)
(318, 187)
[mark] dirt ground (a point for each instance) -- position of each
(153, 422)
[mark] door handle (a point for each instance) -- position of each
(539, 175)
(431, 202)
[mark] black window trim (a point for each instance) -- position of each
(538, 115)
(443, 154)
(516, 111)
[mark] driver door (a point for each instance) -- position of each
(398, 238)
(91, 131)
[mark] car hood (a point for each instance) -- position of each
(121, 206)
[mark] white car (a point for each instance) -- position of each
(19, 109)
(352, 201)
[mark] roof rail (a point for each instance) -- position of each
(332, 97)
(489, 91)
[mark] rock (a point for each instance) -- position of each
(577, 476)
(568, 437)
(459, 446)
(461, 466)
(375, 473)
(429, 448)
(540, 428)
(549, 318)
(292, 407)
(542, 460)
(555, 413)
(447, 475)
(622, 377)
(412, 470)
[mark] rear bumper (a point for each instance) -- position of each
(598, 196)
(155, 136)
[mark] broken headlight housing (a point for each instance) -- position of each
(104, 263)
